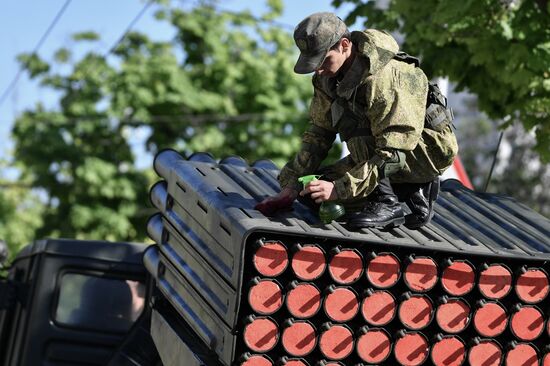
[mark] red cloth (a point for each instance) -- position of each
(271, 205)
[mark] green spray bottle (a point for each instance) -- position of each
(329, 210)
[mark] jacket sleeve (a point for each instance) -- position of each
(316, 141)
(396, 109)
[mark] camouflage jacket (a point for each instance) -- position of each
(380, 96)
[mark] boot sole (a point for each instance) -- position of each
(433, 194)
(418, 225)
(386, 225)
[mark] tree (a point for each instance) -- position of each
(518, 171)
(497, 49)
(233, 93)
(224, 85)
(22, 215)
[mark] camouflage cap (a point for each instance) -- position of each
(314, 36)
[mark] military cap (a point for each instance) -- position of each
(314, 36)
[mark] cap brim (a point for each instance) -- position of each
(309, 63)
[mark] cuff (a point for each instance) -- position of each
(288, 179)
(342, 187)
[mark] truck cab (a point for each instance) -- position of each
(70, 302)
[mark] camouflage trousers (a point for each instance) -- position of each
(434, 153)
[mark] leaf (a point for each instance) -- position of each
(506, 29)
(62, 55)
(86, 36)
(33, 64)
(161, 15)
(275, 9)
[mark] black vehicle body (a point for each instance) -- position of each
(192, 305)
(63, 302)
(34, 330)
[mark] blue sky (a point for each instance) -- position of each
(23, 22)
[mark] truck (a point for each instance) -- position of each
(224, 285)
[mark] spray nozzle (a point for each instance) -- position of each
(328, 211)
(306, 179)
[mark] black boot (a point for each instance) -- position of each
(420, 199)
(382, 210)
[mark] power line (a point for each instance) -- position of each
(10, 87)
(150, 2)
(58, 16)
(255, 18)
(192, 120)
(129, 27)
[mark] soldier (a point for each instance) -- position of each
(375, 97)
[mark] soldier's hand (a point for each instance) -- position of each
(320, 191)
(281, 201)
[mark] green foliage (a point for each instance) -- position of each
(234, 92)
(62, 55)
(24, 217)
(86, 36)
(499, 50)
(86, 170)
(21, 212)
(33, 64)
(225, 84)
(276, 9)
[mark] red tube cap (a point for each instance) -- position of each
(532, 286)
(304, 300)
(523, 354)
(336, 343)
(490, 320)
(257, 360)
(383, 271)
(411, 349)
(453, 316)
(299, 339)
(495, 282)
(374, 346)
(421, 274)
(271, 259)
(341, 305)
(346, 266)
(485, 353)
(527, 323)
(293, 362)
(266, 297)
(261, 335)
(458, 278)
(450, 351)
(416, 312)
(309, 262)
(379, 308)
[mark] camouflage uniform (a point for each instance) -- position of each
(378, 106)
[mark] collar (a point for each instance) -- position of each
(374, 50)
(353, 77)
